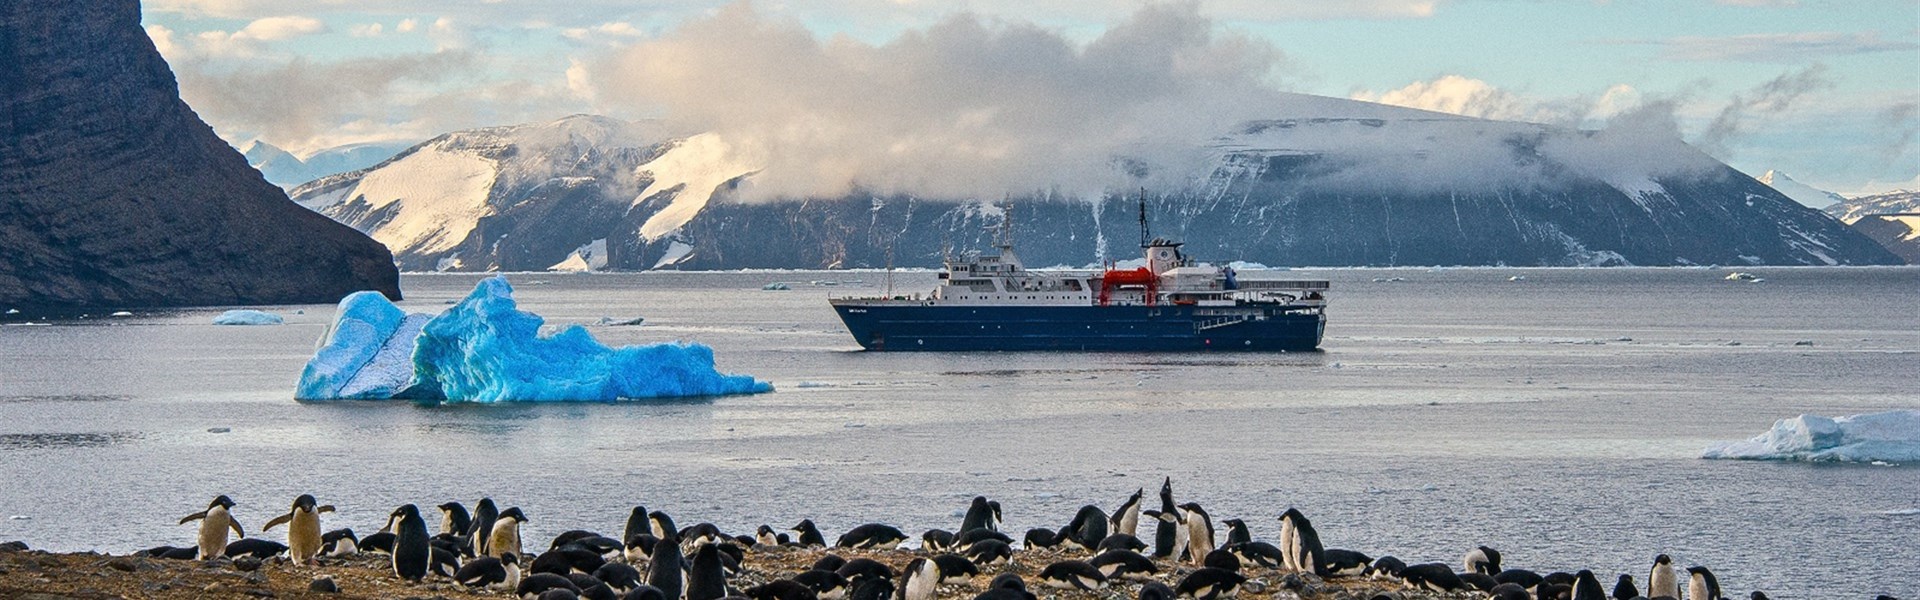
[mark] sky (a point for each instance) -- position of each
(1826, 91)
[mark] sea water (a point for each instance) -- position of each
(1558, 417)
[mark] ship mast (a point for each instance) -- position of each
(1146, 237)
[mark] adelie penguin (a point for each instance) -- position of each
(339, 542)
(1209, 583)
(809, 535)
(1259, 554)
(1121, 541)
(1126, 519)
(665, 572)
(1482, 560)
(707, 578)
(1199, 531)
(637, 523)
(454, 518)
(990, 553)
(782, 589)
(214, 523)
(862, 569)
(1587, 587)
(955, 569)
(1661, 580)
(303, 528)
(766, 536)
(506, 533)
(1701, 584)
(662, 525)
(1624, 588)
(1007, 586)
(1073, 575)
(621, 577)
(1300, 544)
(919, 580)
(870, 536)
(937, 540)
(1345, 563)
(1432, 577)
(1167, 529)
(828, 585)
(1156, 591)
(490, 573)
(1124, 564)
(481, 529)
(411, 553)
(980, 515)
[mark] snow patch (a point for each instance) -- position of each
(591, 256)
(247, 317)
(1888, 436)
(485, 349)
(442, 196)
(697, 165)
(676, 252)
(1639, 189)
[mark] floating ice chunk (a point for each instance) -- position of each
(1742, 276)
(243, 317)
(124, 313)
(486, 350)
(612, 322)
(1888, 436)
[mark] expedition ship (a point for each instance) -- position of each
(992, 302)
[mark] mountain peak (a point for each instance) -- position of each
(1799, 192)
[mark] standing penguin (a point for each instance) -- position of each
(1701, 584)
(707, 579)
(919, 580)
(214, 523)
(1624, 588)
(1237, 532)
(1176, 542)
(665, 572)
(1661, 580)
(506, 533)
(662, 525)
(1167, 531)
(411, 552)
(1199, 531)
(1126, 519)
(636, 524)
(303, 533)
(454, 519)
(1300, 548)
(809, 534)
(1587, 587)
(479, 532)
(979, 516)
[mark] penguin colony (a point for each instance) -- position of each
(1095, 551)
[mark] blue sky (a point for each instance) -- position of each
(1826, 91)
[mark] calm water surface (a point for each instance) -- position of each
(1557, 418)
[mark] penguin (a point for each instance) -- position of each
(828, 585)
(637, 523)
(707, 579)
(829, 562)
(490, 573)
(809, 535)
(979, 516)
(533, 586)
(1388, 567)
(919, 580)
(1301, 547)
(1222, 559)
(990, 553)
(861, 569)
(644, 592)
(1088, 528)
(411, 554)
(766, 536)
(381, 541)
(870, 536)
(662, 525)
(1073, 575)
(640, 547)
(969, 538)
(1156, 591)
(1509, 591)
(1523, 577)
(570, 536)
(955, 569)
(1259, 554)
(1661, 581)
(566, 561)
(593, 589)
(1166, 530)
(1481, 560)
(665, 570)
(1121, 541)
(1432, 577)
(1237, 532)
(782, 589)
(454, 518)
(621, 577)
(1758, 595)
(1624, 588)
(1345, 563)
(1701, 584)
(1177, 539)
(506, 532)
(1209, 583)
(872, 589)
(701, 533)
(481, 529)
(254, 547)
(1199, 531)
(1587, 587)
(607, 548)
(1477, 581)
(1007, 586)
(214, 523)
(936, 540)
(442, 561)
(1126, 519)
(1124, 564)
(303, 528)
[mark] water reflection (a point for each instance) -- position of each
(44, 441)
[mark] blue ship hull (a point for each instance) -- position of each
(1167, 328)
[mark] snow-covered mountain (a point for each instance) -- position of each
(1851, 209)
(283, 169)
(1892, 219)
(1335, 182)
(1800, 192)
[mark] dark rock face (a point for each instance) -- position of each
(113, 193)
(1899, 233)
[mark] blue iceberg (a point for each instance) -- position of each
(1877, 437)
(245, 316)
(485, 349)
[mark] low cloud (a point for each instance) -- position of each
(969, 107)
(1768, 99)
(1790, 48)
(298, 104)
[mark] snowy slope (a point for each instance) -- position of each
(1800, 192)
(693, 168)
(1879, 204)
(286, 170)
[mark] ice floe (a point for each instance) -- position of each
(245, 317)
(1888, 436)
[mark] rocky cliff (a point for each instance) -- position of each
(114, 194)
